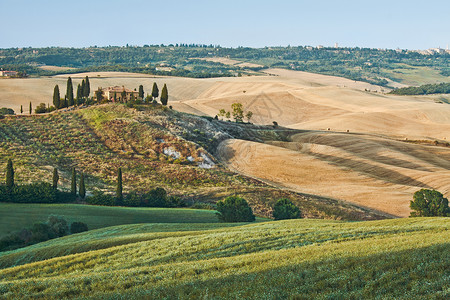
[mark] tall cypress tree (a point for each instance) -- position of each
(69, 92)
(164, 95)
(31, 108)
(83, 87)
(73, 187)
(79, 95)
(82, 191)
(9, 175)
(56, 97)
(55, 178)
(21, 109)
(141, 91)
(87, 87)
(119, 195)
(155, 91)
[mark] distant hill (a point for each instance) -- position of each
(377, 66)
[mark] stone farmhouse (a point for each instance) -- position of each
(117, 94)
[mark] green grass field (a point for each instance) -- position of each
(15, 216)
(304, 259)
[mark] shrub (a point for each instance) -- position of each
(429, 203)
(58, 225)
(100, 198)
(285, 209)
(155, 198)
(234, 209)
(77, 227)
(39, 232)
(132, 199)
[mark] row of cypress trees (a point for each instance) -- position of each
(73, 190)
(83, 92)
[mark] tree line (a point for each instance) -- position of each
(426, 89)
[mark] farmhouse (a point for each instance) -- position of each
(117, 93)
(8, 73)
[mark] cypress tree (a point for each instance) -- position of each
(56, 97)
(69, 92)
(79, 95)
(155, 91)
(65, 102)
(141, 92)
(55, 178)
(164, 95)
(31, 108)
(87, 87)
(9, 175)
(21, 109)
(82, 191)
(73, 187)
(119, 195)
(124, 96)
(83, 87)
(115, 97)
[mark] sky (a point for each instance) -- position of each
(375, 24)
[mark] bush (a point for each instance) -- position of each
(41, 192)
(100, 198)
(6, 111)
(234, 209)
(155, 198)
(285, 209)
(39, 232)
(429, 203)
(132, 199)
(77, 227)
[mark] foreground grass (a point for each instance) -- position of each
(407, 258)
(15, 216)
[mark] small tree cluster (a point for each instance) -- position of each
(429, 203)
(54, 227)
(285, 209)
(238, 113)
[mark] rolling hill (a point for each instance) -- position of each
(403, 259)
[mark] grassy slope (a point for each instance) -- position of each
(404, 258)
(15, 216)
(98, 140)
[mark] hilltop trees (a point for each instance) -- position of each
(155, 91)
(69, 92)
(86, 88)
(164, 95)
(56, 96)
(79, 95)
(234, 209)
(141, 92)
(429, 203)
(237, 112)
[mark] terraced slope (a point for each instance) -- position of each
(407, 258)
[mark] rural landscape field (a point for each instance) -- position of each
(306, 158)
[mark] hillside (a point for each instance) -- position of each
(403, 259)
(16, 216)
(155, 147)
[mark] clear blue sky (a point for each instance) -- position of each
(377, 24)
